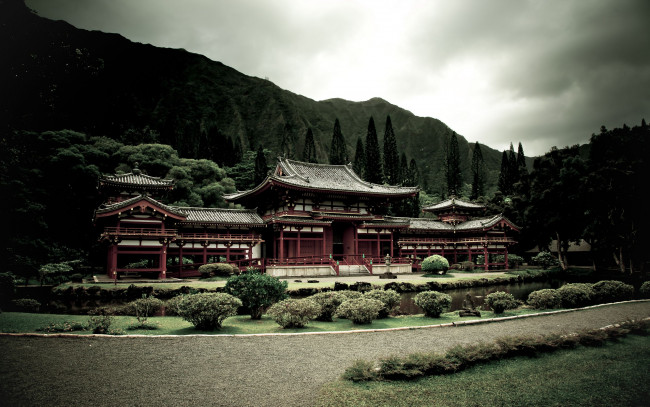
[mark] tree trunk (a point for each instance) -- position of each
(621, 264)
(562, 261)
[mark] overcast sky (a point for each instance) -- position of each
(546, 73)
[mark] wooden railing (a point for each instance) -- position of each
(459, 240)
(250, 237)
(137, 232)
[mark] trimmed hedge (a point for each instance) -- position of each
(500, 301)
(329, 302)
(576, 295)
(390, 298)
(433, 303)
(644, 290)
(435, 264)
(207, 311)
(294, 313)
(611, 291)
(544, 299)
(361, 310)
(217, 269)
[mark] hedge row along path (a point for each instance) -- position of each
(260, 370)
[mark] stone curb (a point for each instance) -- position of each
(405, 328)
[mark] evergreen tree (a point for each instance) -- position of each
(338, 151)
(452, 168)
(413, 174)
(238, 151)
(478, 173)
(513, 170)
(261, 168)
(359, 158)
(309, 153)
(403, 170)
(522, 186)
(504, 184)
(391, 157)
(373, 172)
(288, 144)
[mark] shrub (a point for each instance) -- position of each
(390, 299)
(171, 305)
(293, 313)
(500, 301)
(26, 305)
(467, 266)
(256, 291)
(7, 286)
(217, 269)
(575, 295)
(361, 310)
(100, 322)
(545, 260)
(144, 307)
(433, 303)
(65, 326)
(644, 290)
(350, 294)
(206, 311)
(544, 299)
(435, 264)
(611, 291)
(329, 302)
(360, 371)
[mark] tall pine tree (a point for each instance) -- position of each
(513, 171)
(391, 157)
(403, 170)
(504, 184)
(373, 172)
(309, 152)
(338, 150)
(261, 168)
(359, 158)
(478, 173)
(452, 168)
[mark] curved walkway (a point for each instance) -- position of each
(280, 370)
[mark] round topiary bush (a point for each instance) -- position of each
(206, 311)
(144, 307)
(390, 298)
(293, 313)
(544, 299)
(329, 302)
(611, 291)
(26, 305)
(435, 264)
(545, 260)
(644, 290)
(500, 301)
(575, 295)
(433, 303)
(256, 291)
(361, 310)
(217, 269)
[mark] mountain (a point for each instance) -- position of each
(61, 77)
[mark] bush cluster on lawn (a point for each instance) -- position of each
(294, 313)
(100, 322)
(207, 311)
(65, 326)
(500, 301)
(544, 299)
(217, 269)
(433, 303)
(545, 260)
(26, 305)
(144, 307)
(581, 294)
(462, 357)
(435, 264)
(256, 291)
(329, 302)
(390, 298)
(360, 310)
(644, 290)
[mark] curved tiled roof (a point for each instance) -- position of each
(136, 179)
(451, 203)
(128, 202)
(426, 224)
(220, 216)
(335, 178)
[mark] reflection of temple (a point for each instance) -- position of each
(309, 219)
(459, 235)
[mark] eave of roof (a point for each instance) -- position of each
(137, 201)
(453, 203)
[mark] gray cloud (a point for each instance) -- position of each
(541, 72)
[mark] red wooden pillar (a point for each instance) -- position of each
(324, 253)
(391, 243)
(356, 240)
(298, 242)
(205, 252)
(506, 257)
(163, 260)
(281, 243)
(378, 242)
(112, 261)
(180, 259)
(485, 257)
(228, 250)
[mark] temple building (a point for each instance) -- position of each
(303, 220)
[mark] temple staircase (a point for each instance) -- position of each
(353, 270)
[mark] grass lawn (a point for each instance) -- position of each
(615, 374)
(18, 322)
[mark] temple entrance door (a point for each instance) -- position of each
(342, 239)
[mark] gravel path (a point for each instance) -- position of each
(268, 371)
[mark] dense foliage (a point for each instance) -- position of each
(329, 302)
(435, 264)
(500, 301)
(389, 298)
(294, 313)
(361, 310)
(207, 311)
(256, 291)
(433, 303)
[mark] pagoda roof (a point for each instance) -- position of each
(387, 222)
(141, 202)
(322, 177)
(221, 216)
(297, 220)
(434, 225)
(453, 203)
(136, 179)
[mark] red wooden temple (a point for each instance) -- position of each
(308, 220)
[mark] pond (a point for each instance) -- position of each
(520, 291)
